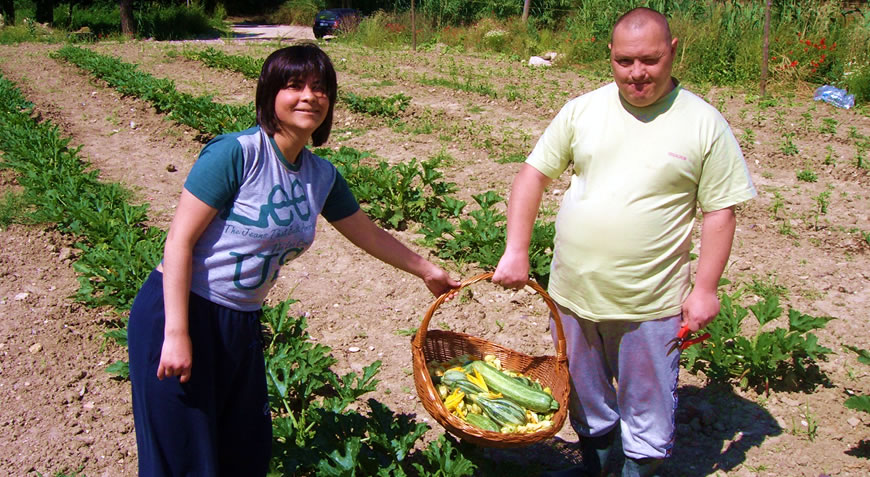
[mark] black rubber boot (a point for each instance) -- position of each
(640, 467)
(594, 451)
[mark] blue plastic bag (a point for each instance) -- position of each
(835, 96)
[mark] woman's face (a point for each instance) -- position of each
(301, 106)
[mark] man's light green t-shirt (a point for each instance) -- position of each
(623, 231)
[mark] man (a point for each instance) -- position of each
(644, 153)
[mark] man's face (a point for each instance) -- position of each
(642, 59)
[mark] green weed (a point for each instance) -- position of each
(807, 175)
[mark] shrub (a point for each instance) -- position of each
(297, 12)
(175, 22)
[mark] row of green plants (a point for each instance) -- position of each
(198, 112)
(382, 106)
(315, 430)
(509, 146)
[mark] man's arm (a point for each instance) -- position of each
(525, 200)
(717, 235)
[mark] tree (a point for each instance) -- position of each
(128, 26)
(44, 11)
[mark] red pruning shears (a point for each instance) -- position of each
(680, 342)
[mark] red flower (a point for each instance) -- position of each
(822, 41)
(793, 63)
(773, 59)
(823, 57)
(809, 43)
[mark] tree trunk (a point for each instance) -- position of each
(765, 48)
(44, 11)
(128, 26)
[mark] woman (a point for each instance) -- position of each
(249, 205)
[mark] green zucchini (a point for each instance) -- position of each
(451, 377)
(502, 411)
(481, 422)
(517, 391)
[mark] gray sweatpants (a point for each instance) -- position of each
(644, 398)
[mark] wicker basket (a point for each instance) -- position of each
(437, 345)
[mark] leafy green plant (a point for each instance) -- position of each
(406, 331)
(384, 106)
(314, 430)
(829, 126)
(808, 420)
(214, 58)
(777, 204)
(392, 195)
(859, 402)
(480, 237)
(807, 175)
(860, 151)
(788, 146)
(764, 358)
(822, 202)
(747, 138)
(830, 157)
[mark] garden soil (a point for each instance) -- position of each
(60, 411)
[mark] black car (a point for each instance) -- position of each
(329, 22)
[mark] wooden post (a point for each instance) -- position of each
(413, 28)
(765, 48)
(526, 10)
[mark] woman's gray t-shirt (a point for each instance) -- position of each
(267, 213)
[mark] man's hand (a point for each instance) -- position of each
(512, 270)
(699, 309)
(176, 357)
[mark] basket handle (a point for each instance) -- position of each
(561, 347)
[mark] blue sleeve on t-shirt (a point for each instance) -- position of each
(217, 174)
(340, 203)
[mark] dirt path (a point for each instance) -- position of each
(60, 412)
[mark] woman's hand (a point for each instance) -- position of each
(176, 357)
(439, 282)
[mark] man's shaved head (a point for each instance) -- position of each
(640, 17)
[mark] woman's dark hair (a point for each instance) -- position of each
(305, 61)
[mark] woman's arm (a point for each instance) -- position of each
(363, 233)
(192, 216)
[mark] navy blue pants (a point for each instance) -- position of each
(217, 423)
